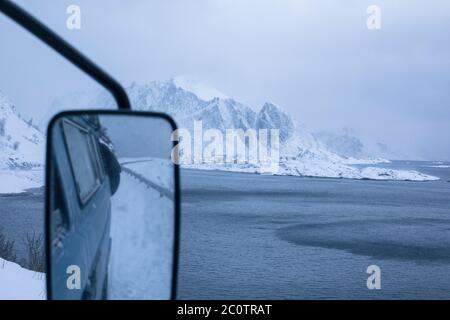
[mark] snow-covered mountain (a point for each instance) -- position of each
(344, 143)
(21, 142)
(347, 143)
(301, 152)
(21, 150)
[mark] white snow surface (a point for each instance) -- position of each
(157, 170)
(13, 280)
(21, 150)
(142, 238)
(351, 160)
(21, 142)
(17, 181)
(438, 166)
(376, 173)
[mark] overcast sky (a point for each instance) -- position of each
(145, 136)
(315, 58)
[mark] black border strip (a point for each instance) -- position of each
(55, 42)
(177, 195)
(280, 309)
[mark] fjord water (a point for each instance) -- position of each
(252, 236)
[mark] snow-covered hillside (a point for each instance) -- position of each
(301, 152)
(141, 222)
(13, 280)
(21, 150)
(21, 143)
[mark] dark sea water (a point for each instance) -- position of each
(21, 215)
(250, 236)
(253, 237)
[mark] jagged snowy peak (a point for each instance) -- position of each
(185, 106)
(272, 117)
(164, 97)
(228, 114)
(301, 153)
(21, 142)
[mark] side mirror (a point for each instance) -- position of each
(112, 206)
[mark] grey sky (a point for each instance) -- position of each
(315, 58)
(145, 136)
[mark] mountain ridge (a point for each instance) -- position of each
(301, 153)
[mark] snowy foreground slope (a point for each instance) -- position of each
(17, 181)
(21, 151)
(13, 280)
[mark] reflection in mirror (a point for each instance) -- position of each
(110, 206)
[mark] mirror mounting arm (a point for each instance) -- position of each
(54, 41)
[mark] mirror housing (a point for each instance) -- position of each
(112, 206)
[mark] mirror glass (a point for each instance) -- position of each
(111, 206)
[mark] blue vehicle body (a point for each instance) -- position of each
(81, 211)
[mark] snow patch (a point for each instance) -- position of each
(351, 161)
(13, 280)
(438, 166)
(21, 142)
(142, 237)
(390, 174)
(21, 150)
(154, 169)
(17, 181)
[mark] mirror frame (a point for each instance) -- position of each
(48, 165)
(50, 38)
(55, 42)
